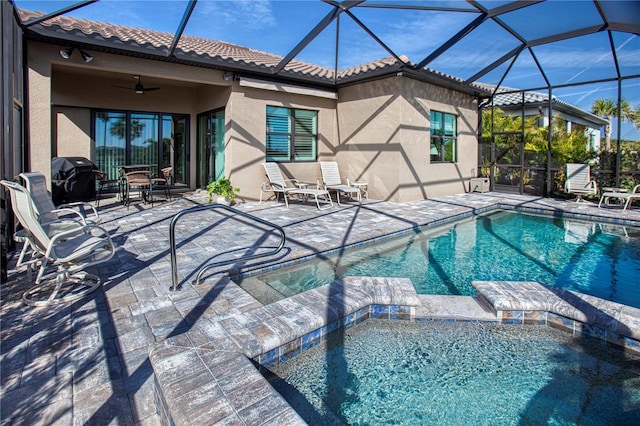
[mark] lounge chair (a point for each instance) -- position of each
(627, 197)
(70, 251)
(579, 181)
(332, 181)
(279, 185)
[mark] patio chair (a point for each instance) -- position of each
(104, 182)
(579, 181)
(163, 182)
(279, 185)
(332, 181)
(627, 197)
(36, 184)
(70, 251)
(142, 181)
(57, 219)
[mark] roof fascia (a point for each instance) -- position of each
(560, 107)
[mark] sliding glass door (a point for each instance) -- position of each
(175, 148)
(210, 147)
(154, 139)
(111, 141)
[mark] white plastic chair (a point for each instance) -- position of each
(279, 185)
(579, 181)
(627, 197)
(332, 181)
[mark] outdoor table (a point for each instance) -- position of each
(362, 186)
(123, 169)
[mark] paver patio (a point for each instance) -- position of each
(87, 362)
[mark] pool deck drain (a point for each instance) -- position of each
(88, 362)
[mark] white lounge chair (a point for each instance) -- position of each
(579, 181)
(70, 251)
(279, 185)
(627, 197)
(332, 181)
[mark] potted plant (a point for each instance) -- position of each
(223, 189)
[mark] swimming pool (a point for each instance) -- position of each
(599, 259)
(460, 373)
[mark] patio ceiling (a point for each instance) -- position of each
(529, 45)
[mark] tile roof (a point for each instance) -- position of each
(511, 97)
(205, 51)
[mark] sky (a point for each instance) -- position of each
(277, 26)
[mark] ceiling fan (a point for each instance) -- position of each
(139, 88)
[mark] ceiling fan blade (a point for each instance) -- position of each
(139, 88)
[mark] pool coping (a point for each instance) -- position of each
(540, 209)
(215, 377)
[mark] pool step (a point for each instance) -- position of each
(260, 290)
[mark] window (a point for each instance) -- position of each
(444, 137)
(292, 134)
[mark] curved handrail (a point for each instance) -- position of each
(172, 241)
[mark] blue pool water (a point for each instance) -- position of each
(385, 372)
(602, 260)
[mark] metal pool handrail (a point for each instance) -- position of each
(172, 241)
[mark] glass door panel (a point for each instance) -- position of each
(144, 140)
(174, 148)
(218, 141)
(210, 147)
(111, 141)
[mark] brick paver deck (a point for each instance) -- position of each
(87, 362)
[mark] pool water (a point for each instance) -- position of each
(598, 259)
(387, 372)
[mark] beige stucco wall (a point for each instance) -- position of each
(384, 138)
(71, 132)
(63, 92)
(246, 135)
(377, 131)
(39, 112)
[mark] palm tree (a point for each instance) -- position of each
(608, 109)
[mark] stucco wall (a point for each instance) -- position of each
(71, 130)
(384, 138)
(39, 112)
(377, 131)
(246, 135)
(63, 92)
